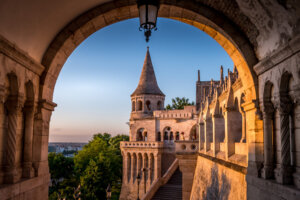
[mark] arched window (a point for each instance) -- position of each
(140, 134)
(159, 105)
(177, 136)
(145, 136)
(158, 136)
(171, 136)
(133, 105)
(148, 105)
(140, 105)
(194, 133)
(167, 133)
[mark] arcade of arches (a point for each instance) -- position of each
(262, 94)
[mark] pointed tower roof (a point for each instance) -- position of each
(147, 83)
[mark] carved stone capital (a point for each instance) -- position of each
(284, 105)
(48, 105)
(14, 103)
(268, 109)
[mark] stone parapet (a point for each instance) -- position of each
(186, 147)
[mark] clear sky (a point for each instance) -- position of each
(93, 89)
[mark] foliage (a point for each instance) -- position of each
(98, 164)
(179, 103)
(63, 180)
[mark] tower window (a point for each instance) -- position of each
(148, 105)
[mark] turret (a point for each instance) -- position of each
(198, 92)
(147, 97)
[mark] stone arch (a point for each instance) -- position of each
(193, 133)
(159, 105)
(269, 131)
(285, 164)
(167, 133)
(140, 105)
(226, 31)
(27, 137)
(141, 134)
(148, 105)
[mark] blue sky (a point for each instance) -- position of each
(93, 89)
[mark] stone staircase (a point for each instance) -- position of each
(172, 190)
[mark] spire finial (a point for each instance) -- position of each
(199, 75)
(147, 48)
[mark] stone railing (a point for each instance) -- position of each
(179, 114)
(141, 144)
(186, 147)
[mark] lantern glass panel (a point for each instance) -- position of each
(142, 10)
(152, 15)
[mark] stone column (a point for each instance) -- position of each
(207, 134)
(229, 135)
(2, 128)
(254, 136)
(157, 166)
(28, 170)
(267, 171)
(218, 132)
(132, 168)
(201, 136)
(283, 172)
(14, 106)
(41, 137)
(243, 139)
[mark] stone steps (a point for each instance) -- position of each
(172, 190)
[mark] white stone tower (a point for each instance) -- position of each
(147, 97)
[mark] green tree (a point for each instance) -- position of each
(63, 179)
(99, 163)
(179, 103)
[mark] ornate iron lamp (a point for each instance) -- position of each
(148, 10)
(108, 192)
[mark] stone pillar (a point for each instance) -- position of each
(14, 106)
(254, 138)
(28, 170)
(283, 172)
(157, 166)
(41, 137)
(2, 127)
(208, 133)
(268, 170)
(201, 136)
(187, 165)
(229, 132)
(218, 132)
(132, 168)
(243, 139)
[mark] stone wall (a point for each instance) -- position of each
(216, 181)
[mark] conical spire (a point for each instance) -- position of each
(147, 83)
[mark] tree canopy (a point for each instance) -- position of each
(98, 164)
(179, 103)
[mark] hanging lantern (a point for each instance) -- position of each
(148, 10)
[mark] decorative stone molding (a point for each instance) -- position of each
(279, 56)
(18, 55)
(48, 105)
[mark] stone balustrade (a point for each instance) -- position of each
(142, 144)
(189, 147)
